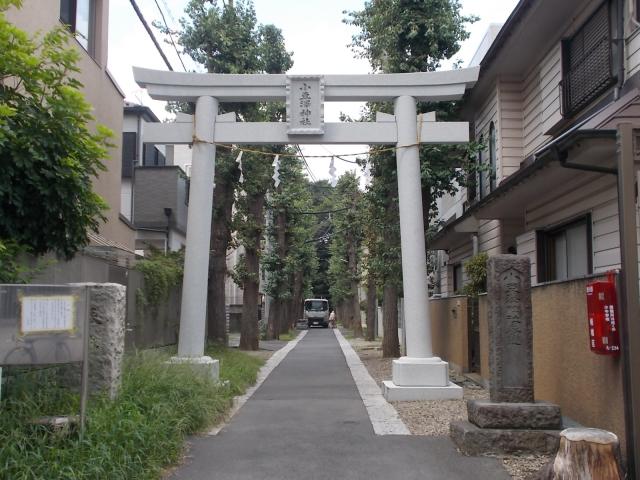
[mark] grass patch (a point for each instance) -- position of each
(290, 335)
(133, 437)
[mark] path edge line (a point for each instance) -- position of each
(263, 373)
(384, 418)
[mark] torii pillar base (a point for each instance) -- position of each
(420, 379)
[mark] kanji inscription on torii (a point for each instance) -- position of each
(305, 104)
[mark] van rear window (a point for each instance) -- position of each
(316, 305)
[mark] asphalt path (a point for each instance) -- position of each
(307, 421)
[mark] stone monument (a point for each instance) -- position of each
(511, 421)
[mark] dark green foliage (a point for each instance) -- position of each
(408, 35)
(135, 436)
(346, 240)
(48, 155)
(290, 198)
(14, 264)
(321, 192)
(476, 270)
(162, 272)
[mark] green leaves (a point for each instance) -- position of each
(408, 35)
(48, 154)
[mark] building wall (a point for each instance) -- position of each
(509, 132)
(564, 367)
(126, 199)
(101, 92)
(449, 330)
(157, 188)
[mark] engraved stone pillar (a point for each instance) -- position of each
(510, 328)
(511, 421)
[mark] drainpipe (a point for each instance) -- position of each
(476, 245)
(619, 43)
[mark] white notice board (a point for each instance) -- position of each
(50, 313)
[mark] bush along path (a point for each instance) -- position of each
(136, 436)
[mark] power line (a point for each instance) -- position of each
(170, 35)
(322, 212)
(150, 33)
(311, 175)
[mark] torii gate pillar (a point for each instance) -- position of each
(419, 375)
(193, 313)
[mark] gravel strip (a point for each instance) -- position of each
(433, 417)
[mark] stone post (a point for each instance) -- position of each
(510, 328)
(194, 290)
(107, 317)
(107, 307)
(419, 375)
(511, 421)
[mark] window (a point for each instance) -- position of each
(457, 278)
(129, 153)
(152, 157)
(316, 305)
(587, 61)
(79, 16)
(492, 157)
(565, 252)
(481, 172)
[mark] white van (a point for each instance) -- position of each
(316, 312)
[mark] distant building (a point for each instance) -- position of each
(154, 192)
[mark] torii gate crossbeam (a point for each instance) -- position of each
(418, 375)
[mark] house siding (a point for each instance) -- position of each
(509, 128)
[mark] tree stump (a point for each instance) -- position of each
(587, 453)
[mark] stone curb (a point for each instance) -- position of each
(384, 418)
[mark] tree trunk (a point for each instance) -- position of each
(223, 199)
(390, 342)
(587, 453)
(357, 317)
(285, 316)
(346, 314)
(371, 308)
(340, 314)
(249, 324)
(273, 322)
(296, 299)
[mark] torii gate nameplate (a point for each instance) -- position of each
(305, 104)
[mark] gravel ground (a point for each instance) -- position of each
(433, 417)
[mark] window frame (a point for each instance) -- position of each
(568, 110)
(457, 289)
(544, 237)
(133, 138)
(71, 21)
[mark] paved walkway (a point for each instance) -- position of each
(307, 421)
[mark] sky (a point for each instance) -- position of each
(313, 31)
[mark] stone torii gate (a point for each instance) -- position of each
(419, 375)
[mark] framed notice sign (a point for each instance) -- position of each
(47, 314)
